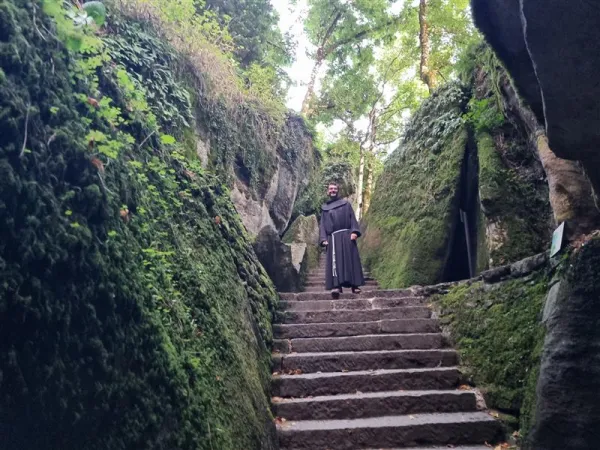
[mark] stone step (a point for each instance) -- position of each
(347, 295)
(444, 447)
(365, 360)
(321, 288)
(369, 342)
(345, 305)
(334, 383)
(405, 431)
(290, 331)
(320, 281)
(321, 274)
(374, 404)
(413, 312)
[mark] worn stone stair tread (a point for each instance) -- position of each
(369, 342)
(373, 373)
(340, 329)
(445, 447)
(407, 430)
(374, 404)
(321, 289)
(407, 312)
(345, 305)
(321, 280)
(357, 361)
(379, 394)
(335, 383)
(369, 352)
(386, 421)
(380, 293)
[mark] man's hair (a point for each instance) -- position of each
(333, 183)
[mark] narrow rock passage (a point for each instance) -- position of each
(369, 371)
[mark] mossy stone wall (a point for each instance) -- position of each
(498, 332)
(134, 311)
(414, 210)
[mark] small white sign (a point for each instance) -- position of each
(557, 240)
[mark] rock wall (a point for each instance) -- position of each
(493, 174)
(568, 410)
(409, 227)
(545, 47)
(134, 311)
(294, 163)
(494, 321)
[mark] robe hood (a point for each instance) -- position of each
(334, 204)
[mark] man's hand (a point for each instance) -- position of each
(324, 243)
(354, 236)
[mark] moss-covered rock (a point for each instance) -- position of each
(499, 335)
(516, 217)
(468, 150)
(414, 210)
(134, 311)
(303, 230)
(568, 410)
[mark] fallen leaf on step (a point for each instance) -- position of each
(276, 399)
(494, 414)
(276, 374)
(464, 387)
(412, 417)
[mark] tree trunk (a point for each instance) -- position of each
(361, 182)
(369, 189)
(322, 52)
(310, 92)
(426, 74)
(570, 191)
(371, 157)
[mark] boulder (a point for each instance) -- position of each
(299, 252)
(294, 160)
(568, 406)
(282, 262)
(303, 230)
(549, 49)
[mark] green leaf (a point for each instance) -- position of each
(97, 11)
(68, 213)
(167, 139)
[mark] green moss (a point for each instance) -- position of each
(516, 215)
(131, 318)
(498, 334)
(414, 207)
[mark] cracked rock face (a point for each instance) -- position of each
(294, 160)
(303, 230)
(279, 260)
(547, 48)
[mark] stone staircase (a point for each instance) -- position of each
(369, 371)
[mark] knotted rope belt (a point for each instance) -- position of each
(334, 263)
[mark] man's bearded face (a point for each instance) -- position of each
(332, 190)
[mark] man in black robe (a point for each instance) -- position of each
(339, 231)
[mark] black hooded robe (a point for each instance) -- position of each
(338, 222)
